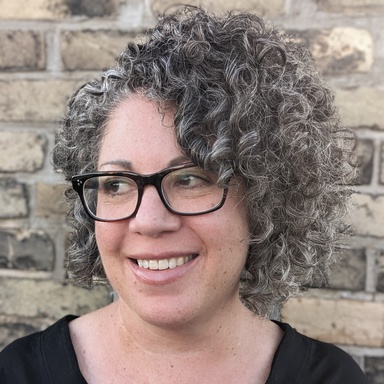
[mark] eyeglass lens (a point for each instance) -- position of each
(185, 191)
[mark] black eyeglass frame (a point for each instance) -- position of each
(141, 181)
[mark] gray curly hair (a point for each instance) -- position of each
(248, 103)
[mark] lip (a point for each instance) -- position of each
(161, 277)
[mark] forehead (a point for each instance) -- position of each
(139, 132)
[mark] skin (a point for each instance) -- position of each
(167, 323)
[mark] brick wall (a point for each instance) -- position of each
(49, 47)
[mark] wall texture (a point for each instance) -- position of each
(49, 47)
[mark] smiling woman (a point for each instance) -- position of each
(158, 234)
(207, 180)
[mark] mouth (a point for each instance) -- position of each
(162, 264)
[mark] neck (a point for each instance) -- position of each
(220, 332)
(215, 351)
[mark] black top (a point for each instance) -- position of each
(48, 357)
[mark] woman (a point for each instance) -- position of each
(206, 169)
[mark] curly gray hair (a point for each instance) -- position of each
(248, 103)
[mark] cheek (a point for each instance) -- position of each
(108, 237)
(237, 227)
(226, 234)
(100, 235)
(109, 243)
(235, 236)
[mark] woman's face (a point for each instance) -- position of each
(211, 248)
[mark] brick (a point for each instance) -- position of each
(352, 7)
(51, 299)
(350, 272)
(13, 199)
(10, 331)
(92, 8)
(50, 200)
(270, 8)
(21, 151)
(34, 100)
(374, 369)
(367, 215)
(4, 249)
(382, 164)
(3, 262)
(22, 51)
(32, 10)
(86, 50)
(347, 322)
(380, 273)
(26, 250)
(32, 251)
(343, 50)
(365, 151)
(4, 244)
(380, 282)
(56, 9)
(361, 107)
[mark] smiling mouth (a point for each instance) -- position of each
(160, 265)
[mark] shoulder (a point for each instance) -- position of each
(29, 359)
(306, 360)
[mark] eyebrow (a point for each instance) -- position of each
(179, 161)
(127, 165)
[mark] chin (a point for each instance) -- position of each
(162, 311)
(167, 318)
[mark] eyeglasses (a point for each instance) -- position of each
(185, 190)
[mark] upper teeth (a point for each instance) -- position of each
(164, 263)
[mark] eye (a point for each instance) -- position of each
(116, 185)
(191, 178)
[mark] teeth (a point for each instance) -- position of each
(172, 263)
(159, 265)
(163, 264)
(153, 264)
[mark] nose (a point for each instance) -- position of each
(152, 217)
